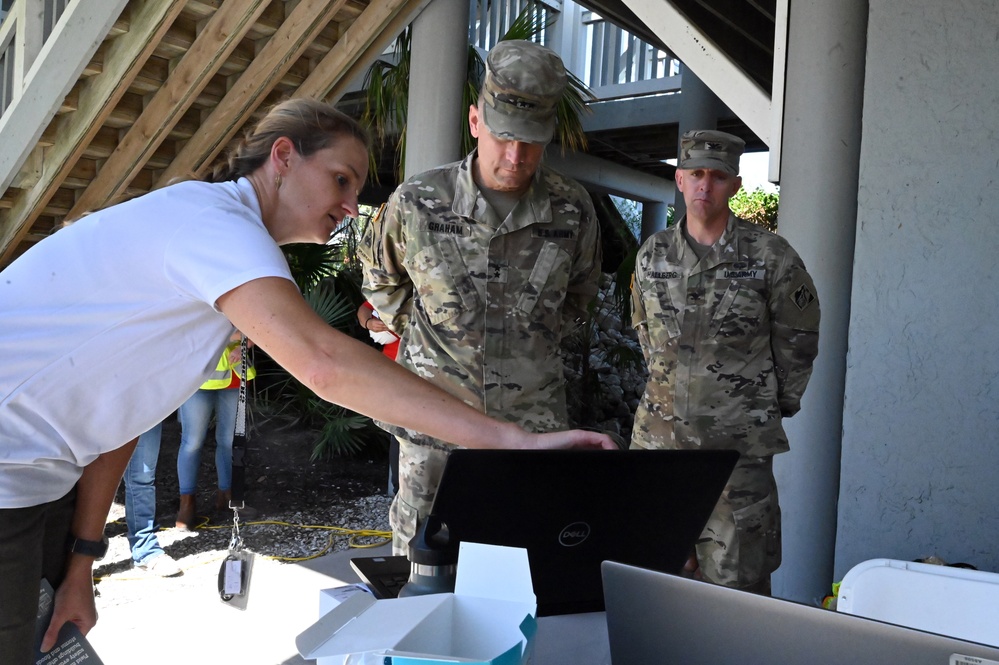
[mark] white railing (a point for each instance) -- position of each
(490, 19)
(611, 61)
(25, 27)
(618, 58)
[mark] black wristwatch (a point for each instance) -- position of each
(94, 548)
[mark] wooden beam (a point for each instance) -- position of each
(273, 61)
(76, 36)
(210, 49)
(96, 100)
(364, 41)
(778, 95)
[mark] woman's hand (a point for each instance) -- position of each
(236, 351)
(576, 438)
(366, 319)
(374, 324)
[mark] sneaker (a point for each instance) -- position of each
(162, 565)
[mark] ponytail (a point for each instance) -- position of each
(311, 125)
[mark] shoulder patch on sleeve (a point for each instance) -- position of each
(802, 297)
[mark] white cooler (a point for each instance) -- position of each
(957, 602)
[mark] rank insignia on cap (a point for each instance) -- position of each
(710, 149)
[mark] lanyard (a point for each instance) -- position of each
(234, 574)
(239, 439)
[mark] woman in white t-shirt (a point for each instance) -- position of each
(107, 326)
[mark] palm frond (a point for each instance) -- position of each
(311, 263)
(568, 126)
(386, 88)
(344, 433)
(334, 308)
(470, 95)
(530, 22)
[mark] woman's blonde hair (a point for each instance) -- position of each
(310, 124)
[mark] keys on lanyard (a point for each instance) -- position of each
(234, 573)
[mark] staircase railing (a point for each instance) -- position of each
(23, 32)
(611, 61)
(622, 65)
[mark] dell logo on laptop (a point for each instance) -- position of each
(574, 534)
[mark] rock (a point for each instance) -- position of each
(613, 388)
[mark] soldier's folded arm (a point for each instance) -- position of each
(394, 303)
(387, 285)
(794, 339)
(639, 318)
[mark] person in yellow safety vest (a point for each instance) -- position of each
(221, 395)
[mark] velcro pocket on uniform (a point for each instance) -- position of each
(660, 315)
(739, 311)
(444, 286)
(757, 545)
(547, 259)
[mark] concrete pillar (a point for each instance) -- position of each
(818, 212)
(698, 110)
(654, 217)
(600, 175)
(437, 77)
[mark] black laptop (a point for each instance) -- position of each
(573, 509)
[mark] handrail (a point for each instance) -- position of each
(618, 57)
(489, 20)
(22, 35)
(611, 61)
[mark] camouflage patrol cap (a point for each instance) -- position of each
(523, 84)
(710, 149)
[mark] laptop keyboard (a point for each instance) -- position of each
(384, 575)
(392, 584)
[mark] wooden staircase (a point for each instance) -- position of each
(159, 88)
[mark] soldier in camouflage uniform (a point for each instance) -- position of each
(728, 320)
(482, 267)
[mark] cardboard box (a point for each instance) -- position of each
(490, 619)
(330, 598)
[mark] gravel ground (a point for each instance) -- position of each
(305, 509)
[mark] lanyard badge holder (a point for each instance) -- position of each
(234, 574)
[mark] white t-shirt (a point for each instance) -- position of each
(107, 326)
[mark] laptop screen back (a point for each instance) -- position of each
(573, 509)
(658, 618)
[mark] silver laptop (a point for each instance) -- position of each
(656, 617)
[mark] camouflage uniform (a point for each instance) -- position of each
(729, 341)
(480, 303)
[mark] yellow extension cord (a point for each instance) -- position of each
(381, 537)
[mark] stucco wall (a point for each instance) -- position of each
(920, 464)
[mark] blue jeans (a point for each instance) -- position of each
(140, 497)
(195, 416)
